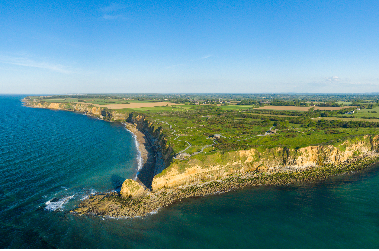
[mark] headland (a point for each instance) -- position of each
(182, 156)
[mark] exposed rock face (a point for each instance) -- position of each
(89, 109)
(155, 136)
(132, 189)
(159, 155)
(116, 206)
(220, 166)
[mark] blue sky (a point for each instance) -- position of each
(251, 46)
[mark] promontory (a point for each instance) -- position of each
(201, 144)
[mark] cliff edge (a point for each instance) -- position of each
(222, 172)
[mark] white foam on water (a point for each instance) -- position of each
(139, 156)
(86, 195)
(57, 205)
(155, 211)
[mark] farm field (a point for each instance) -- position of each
(364, 113)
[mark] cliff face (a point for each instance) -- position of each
(89, 109)
(156, 139)
(85, 108)
(219, 166)
(159, 153)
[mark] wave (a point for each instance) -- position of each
(139, 156)
(56, 204)
(91, 192)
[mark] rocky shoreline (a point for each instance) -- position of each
(114, 205)
(141, 142)
(146, 168)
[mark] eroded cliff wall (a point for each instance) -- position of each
(220, 166)
(89, 109)
(156, 139)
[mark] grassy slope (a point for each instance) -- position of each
(189, 128)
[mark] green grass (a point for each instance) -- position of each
(348, 119)
(367, 113)
(236, 107)
(240, 126)
(66, 100)
(344, 103)
(105, 101)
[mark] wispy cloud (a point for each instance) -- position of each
(113, 11)
(27, 62)
(206, 56)
(333, 79)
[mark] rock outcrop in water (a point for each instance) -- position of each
(132, 189)
(234, 170)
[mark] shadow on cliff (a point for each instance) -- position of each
(152, 164)
(117, 182)
(147, 172)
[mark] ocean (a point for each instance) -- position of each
(51, 160)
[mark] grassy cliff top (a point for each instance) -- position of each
(197, 125)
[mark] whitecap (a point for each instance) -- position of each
(154, 211)
(85, 197)
(139, 155)
(93, 191)
(56, 204)
(88, 194)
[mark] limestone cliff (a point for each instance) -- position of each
(156, 138)
(89, 109)
(132, 189)
(239, 163)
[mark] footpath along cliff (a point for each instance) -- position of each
(163, 181)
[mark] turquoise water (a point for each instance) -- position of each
(51, 160)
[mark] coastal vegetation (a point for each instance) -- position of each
(208, 143)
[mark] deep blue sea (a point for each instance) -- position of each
(51, 160)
